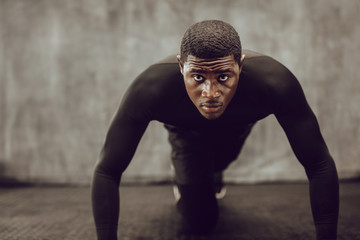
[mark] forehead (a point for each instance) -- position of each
(227, 62)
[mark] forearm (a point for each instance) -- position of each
(105, 205)
(324, 196)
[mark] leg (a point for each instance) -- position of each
(196, 158)
(193, 177)
(225, 152)
(198, 208)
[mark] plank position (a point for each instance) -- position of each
(208, 98)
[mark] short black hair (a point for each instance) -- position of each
(211, 39)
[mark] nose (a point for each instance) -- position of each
(210, 90)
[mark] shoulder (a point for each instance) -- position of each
(266, 68)
(154, 87)
(275, 82)
(156, 79)
(268, 73)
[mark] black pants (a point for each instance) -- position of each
(195, 157)
(198, 207)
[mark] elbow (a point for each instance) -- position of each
(320, 166)
(101, 172)
(106, 168)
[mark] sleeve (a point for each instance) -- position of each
(303, 132)
(124, 134)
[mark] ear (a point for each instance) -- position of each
(181, 65)
(242, 61)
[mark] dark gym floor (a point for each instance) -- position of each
(248, 212)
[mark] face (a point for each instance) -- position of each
(211, 83)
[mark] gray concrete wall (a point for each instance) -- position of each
(64, 66)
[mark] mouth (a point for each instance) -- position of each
(209, 107)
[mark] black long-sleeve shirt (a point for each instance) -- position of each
(265, 87)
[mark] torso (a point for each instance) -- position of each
(164, 97)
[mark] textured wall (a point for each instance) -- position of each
(64, 66)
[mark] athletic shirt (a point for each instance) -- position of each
(265, 87)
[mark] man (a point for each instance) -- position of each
(209, 100)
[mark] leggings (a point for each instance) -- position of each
(196, 157)
(198, 207)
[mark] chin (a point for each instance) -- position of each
(211, 116)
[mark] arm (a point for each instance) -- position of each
(145, 100)
(116, 154)
(121, 142)
(303, 132)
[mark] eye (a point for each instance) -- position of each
(198, 78)
(223, 78)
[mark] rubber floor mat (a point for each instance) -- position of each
(248, 212)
